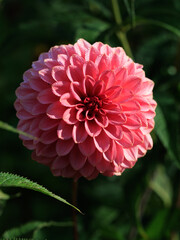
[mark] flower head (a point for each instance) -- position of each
(89, 106)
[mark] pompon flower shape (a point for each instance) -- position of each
(89, 106)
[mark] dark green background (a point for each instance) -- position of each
(144, 203)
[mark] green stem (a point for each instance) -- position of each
(121, 35)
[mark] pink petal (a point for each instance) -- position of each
(121, 74)
(89, 68)
(46, 150)
(119, 154)
(88, 84)
(114, 132)
(59, 163)
(102, 142)
(79, 134)
(87, 170)
(63, 147)
(110, 154)
(46, 123)
(101, 120)
(76, 91)
(127, 138)
(68, 100)
(131, 154)
(76, 60)
(133, 122)
(87, 148)
(92, 128)
(50, 63)
(39, 109)
(60, 87)
(49, 137)
(133, 83)
(77, 159)
(117, 119)
(95, 158)
(59, 74)
(64, 130)
(130, 107)
(46, 96)
(45, 75)
(91, 54)
(81, 47)
(55, 110)
(102, 62)
(68, 172)
(108, 78)
(69, 116)
(74, 74)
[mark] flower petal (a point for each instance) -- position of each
(102, 142)
(92, 128)
(55, 110)
(87, 147)
(64, 130)
(63, 147)
(46, 96)
(77, 159)
(79, 134)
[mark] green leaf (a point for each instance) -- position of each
(162, 132)
(140, 22)
(156, 228)
(161, 127)
(162, 186)
(11, 180)
(8, 127)
(34, 226)
(4, 196)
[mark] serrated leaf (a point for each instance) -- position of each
(34, 226)
(161, 185)
(10, 128)
(11, 180)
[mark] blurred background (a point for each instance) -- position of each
(143, 203)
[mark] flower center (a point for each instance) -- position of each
(93, 104)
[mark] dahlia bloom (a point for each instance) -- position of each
(90, 107)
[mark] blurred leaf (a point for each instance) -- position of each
(144, 21)
(19, 231)
(162, 132)
(156, 228)
(161, 127)
(161, 185)
(164, 25)
(7, 127)
(4, 196)
(126, 3)
(11, 180)
(34, 226)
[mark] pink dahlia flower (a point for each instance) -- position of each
(90, 107)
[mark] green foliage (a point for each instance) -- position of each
(35, 227)
(158, 183)
(12, 180)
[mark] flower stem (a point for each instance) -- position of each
(120, 34)
(74, 213)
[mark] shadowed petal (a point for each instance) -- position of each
(77, 159)
(63, 147)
